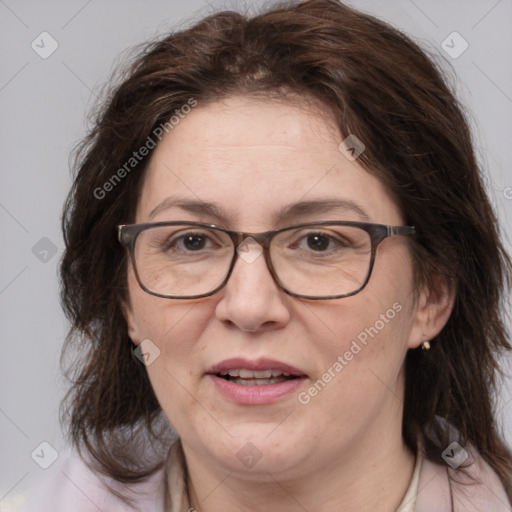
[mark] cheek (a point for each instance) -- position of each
(368, 333)
(173, 327)
(159, 319)
(361, 367)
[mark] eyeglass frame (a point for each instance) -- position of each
(127, 236)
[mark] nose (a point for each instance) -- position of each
(251, 299)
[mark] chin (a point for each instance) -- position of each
(262, 449)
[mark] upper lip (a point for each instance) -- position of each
(254, 365)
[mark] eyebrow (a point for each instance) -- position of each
(319, 206)
(191, 206)
(286, 213)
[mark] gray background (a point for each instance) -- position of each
(43, 106)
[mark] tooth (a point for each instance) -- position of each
(261, 382)
(257, 382)
(244, 382)
(251, 374)
(278, 373)
(262, 374)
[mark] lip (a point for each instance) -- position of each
(258, 365)
(255, 395)
(262, 394)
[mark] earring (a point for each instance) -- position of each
(425, 345)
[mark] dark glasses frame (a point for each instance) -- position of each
(127, 235)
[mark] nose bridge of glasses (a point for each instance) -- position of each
(240, 237)
(250, 246)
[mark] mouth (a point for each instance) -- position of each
(255, 378)
(255, 372)
(262, 381)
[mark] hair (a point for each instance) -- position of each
(378, 85)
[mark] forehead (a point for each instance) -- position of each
(251, 114)
(252, 156)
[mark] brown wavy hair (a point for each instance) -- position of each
(378, 85)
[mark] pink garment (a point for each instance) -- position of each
(437, 493)
(74, 488)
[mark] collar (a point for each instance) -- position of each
(176, 492)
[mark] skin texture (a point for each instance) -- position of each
(343, 450)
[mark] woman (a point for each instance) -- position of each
(278, 242)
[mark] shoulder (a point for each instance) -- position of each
(475, 488)
(71, 485)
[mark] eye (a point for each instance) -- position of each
(193, 241)
(190, 242)
(319, 242)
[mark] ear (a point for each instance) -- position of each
(131, 323)
(433, 308)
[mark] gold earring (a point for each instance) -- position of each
(425, 345)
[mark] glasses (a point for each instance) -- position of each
(320, 260)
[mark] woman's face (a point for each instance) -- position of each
(253, 159)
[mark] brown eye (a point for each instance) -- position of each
(194, 242)
(318, 242)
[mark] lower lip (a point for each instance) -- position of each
(264, 394)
